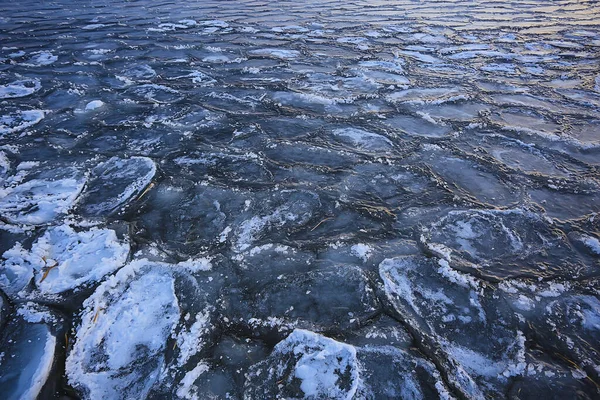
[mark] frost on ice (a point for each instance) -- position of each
(137, 332)
(308, 365)
(19, 120)
(29, 347)
(61, 260)
(450, 308)
(43, 199)
(20, 88)
(113, 183)
(320, 368)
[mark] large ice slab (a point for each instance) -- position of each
(29, 347)
(62, 260)
(43, 198)
(337, 298)
(113, 183)
(495, 240)
(20, 120)
(306, 365)
(19, 88)
(139, 329)
(481, 351)
(310, 366)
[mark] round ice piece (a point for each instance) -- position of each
(64, 259)
(39, 201)
(125, 325)
(94, 105)
(28, 350)
(20, 88)
(20, 120)
(324, 368)
(114, 182)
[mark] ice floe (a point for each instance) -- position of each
(62, 260)
(42, 199)
(20, 88)
(20, 120)
(115, 182)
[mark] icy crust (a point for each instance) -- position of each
(41, 59)
(310, 366)
(283, 54)
(306, 365)
(61, 260)
(139, 330)
(429, 95)
(362, 139)
(20, 88)
(113, 183)
(493, 240)
(154, 94)
(568, 324)
(20, 120)
(293, 208)
(123, 332)
(480, 347)
(28, 351)
(245, 167)
(42, 200)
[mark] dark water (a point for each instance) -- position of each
(247, 199)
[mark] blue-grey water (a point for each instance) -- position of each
(299, 199)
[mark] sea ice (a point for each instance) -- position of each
(39, 201)
(29, 348)
(115, 182)
(61, 260)
(20, 88)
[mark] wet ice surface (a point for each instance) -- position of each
(299, 200)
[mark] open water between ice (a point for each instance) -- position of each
(309, 199)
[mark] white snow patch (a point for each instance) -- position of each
(362, 251)
(94, 105)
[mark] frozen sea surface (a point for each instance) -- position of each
(299, 199)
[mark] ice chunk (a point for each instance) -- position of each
(494, 239)
(28, 351)
(568, 324)
(94, 105)
(436, 300)
(283, 54)
(362, 251)
(425, 58)
(306, 365)
(20, 120)
(41, 58)
(125, 324)
(113, 183)
(20, 88)
(363, 139)
(390, 66)
(311, 366)
(246, 167)
(333, 298)
(39, 201)
(151, 93)
(63, 259)
(385, 78)
(293, 208)
(428, 95)
(471, 177)
(418, 126)
(142, 331)
(141, 72)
